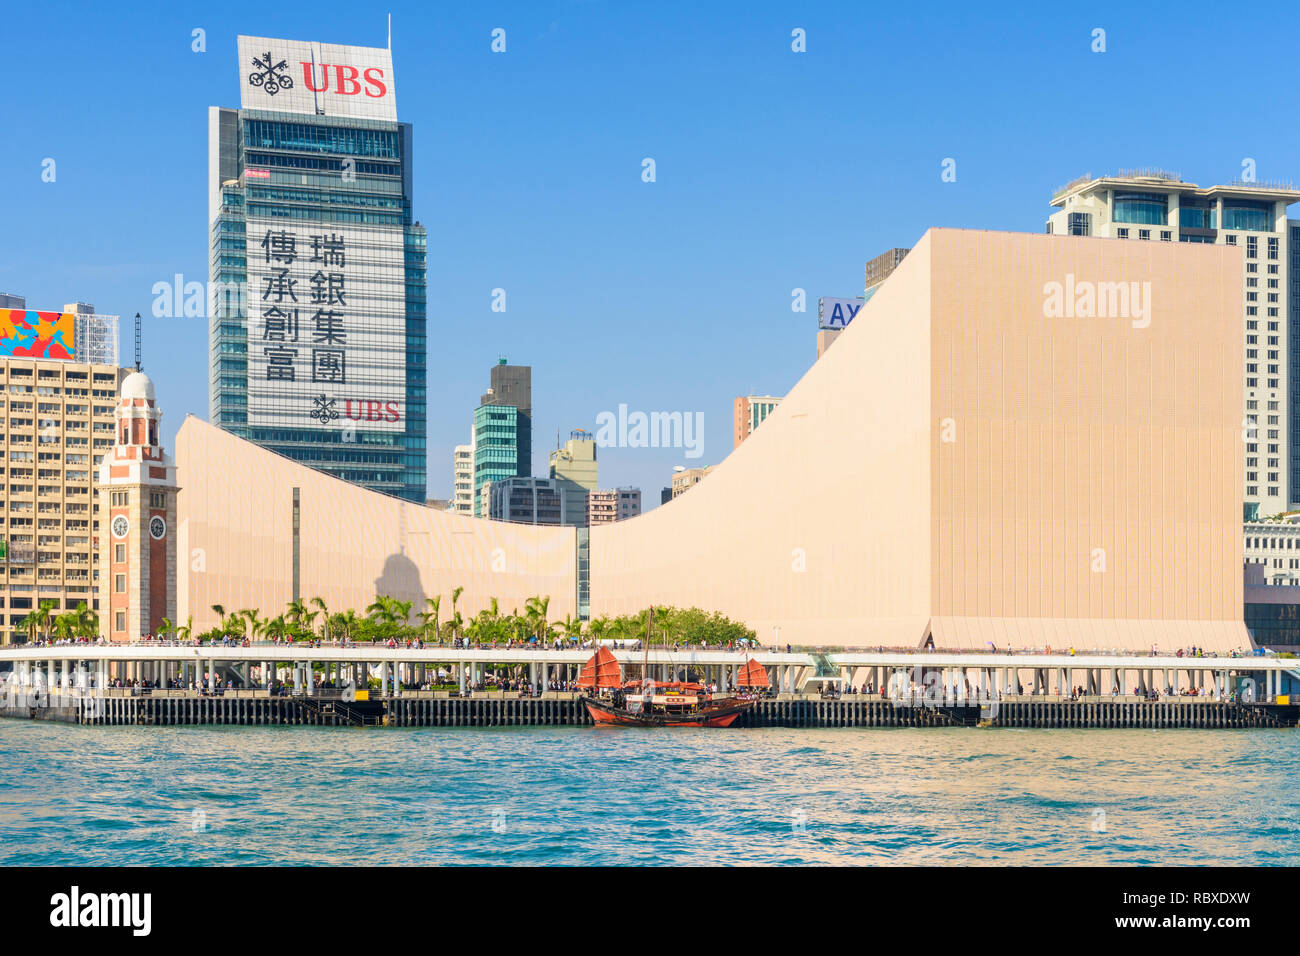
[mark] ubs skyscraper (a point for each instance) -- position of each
(317, 330)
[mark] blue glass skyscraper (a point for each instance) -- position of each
(317, 322)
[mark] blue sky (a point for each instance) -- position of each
(775, 170)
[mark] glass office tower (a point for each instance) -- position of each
(317, 314)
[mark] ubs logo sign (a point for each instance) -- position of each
(348, 80)
(270, 76)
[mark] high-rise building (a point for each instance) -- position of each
(8, 300)
(573, 468)
(606, 505)
(526, 501)
(879, 269)
(137, 497)
(58, 425)
(687, 478)
(496, 452)
(317, 320)
(96, 336)
(462, 491)
(748, 412)
(665, 495)
(513, 385)
(1157, 206)
(503, 429)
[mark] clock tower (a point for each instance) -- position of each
(137, 520)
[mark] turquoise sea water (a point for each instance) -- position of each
(319, 796)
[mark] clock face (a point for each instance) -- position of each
(121, 526)
(157, 527)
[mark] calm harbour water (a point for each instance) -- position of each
(319, 796)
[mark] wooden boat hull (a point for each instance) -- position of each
(605, 713)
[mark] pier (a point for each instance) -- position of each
(367, 685)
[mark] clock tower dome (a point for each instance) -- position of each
(137, 520)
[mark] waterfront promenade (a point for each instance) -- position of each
(167, 682)
(304, 666)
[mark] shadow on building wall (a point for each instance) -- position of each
(400, 579)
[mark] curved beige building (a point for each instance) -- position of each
(1027, 440)
(980, 460)
(236, 541)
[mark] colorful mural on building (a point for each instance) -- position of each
(37, 334)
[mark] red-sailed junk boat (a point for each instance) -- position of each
(649, 703)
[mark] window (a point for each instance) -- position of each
(119, 621)
(119, 552)
(119, 583)
(1247, 215)
(1121, 233)
(1143, 209)
(1144, 233)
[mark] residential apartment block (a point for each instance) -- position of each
(57, 424)
(606, 505)
(462, 497)
(748, 412)
(688, 478)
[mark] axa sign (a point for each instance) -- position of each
(327, 79)
(837, 313)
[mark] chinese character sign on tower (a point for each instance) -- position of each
(326, 324)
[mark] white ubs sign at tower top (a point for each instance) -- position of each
(319, 79)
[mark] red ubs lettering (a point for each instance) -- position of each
(369, 410)
(346, 79)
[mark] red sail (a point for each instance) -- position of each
(601, 671)
(753, 674)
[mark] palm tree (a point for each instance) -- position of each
(455, 596)
(65, 626)
(220, 612)
(402, 612)
(254, 625)
(165, 627)
(324, 613)
(663, 622)
(85, 621)
(276, 627)
(40, 620)
(431, 615)
(183, 633)
(385, 615)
